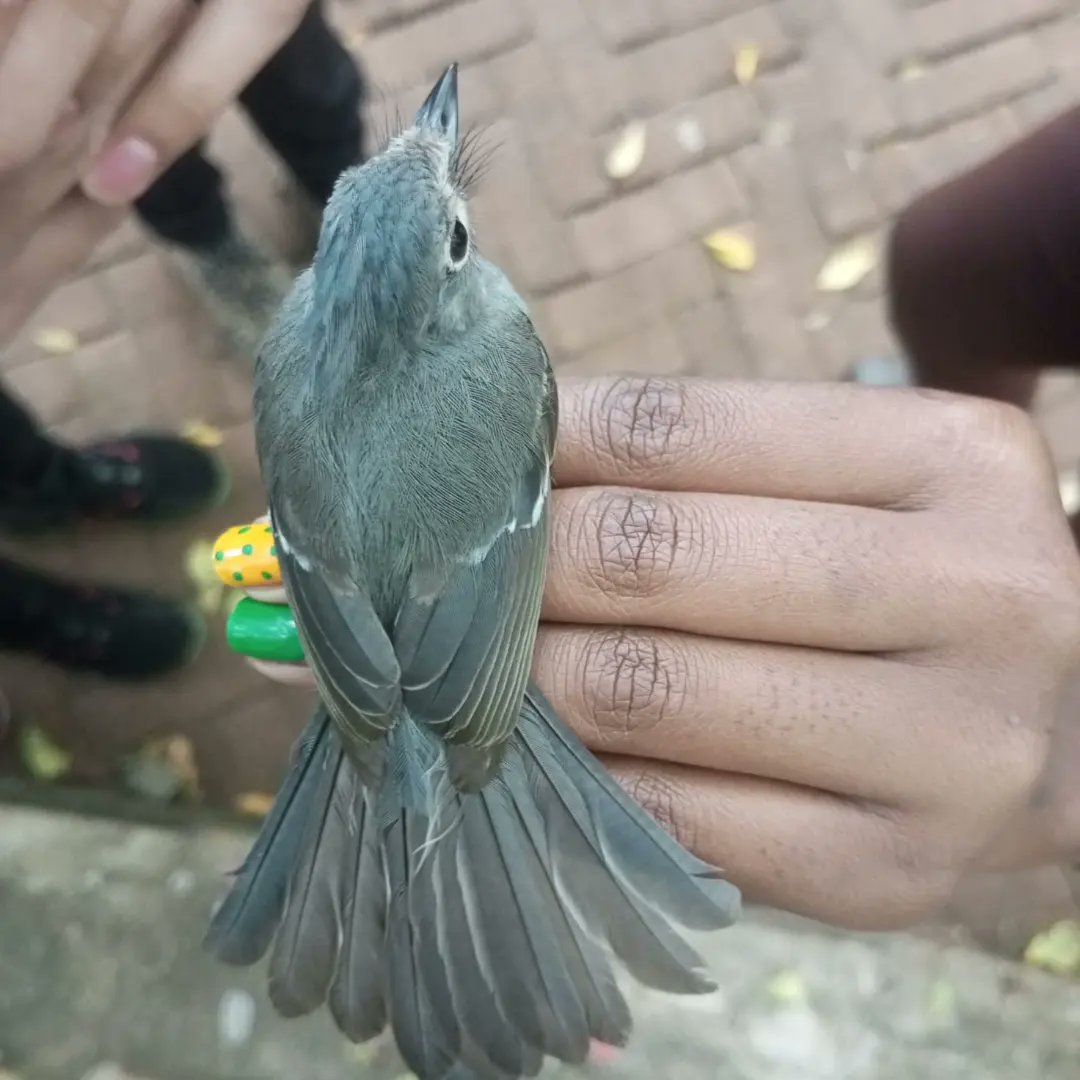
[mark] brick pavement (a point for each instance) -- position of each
(857, 105)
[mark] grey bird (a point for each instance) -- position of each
(444, 855)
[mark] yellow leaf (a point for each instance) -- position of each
(731, 249)
(41, 756)
(912, 69)
(1057, 949)
(253, 803)
(163, 769)
(941, 1002)
(1069, 489)
(360, 1053)
(56, 340)
(199, 564)
(849, 265)
(787, 987)
(204, 435)
(747, 59)
(625, 157)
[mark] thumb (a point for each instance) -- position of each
(225, 46)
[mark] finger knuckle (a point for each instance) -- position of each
(983, 435)
(1014, 760)
(902, 876)
(631, 542)
(632, 682)
(665, 800)
(642, 422)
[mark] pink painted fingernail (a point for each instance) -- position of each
(122, 173)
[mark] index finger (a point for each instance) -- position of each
(861, 446)
(226, 44)
(35, 88)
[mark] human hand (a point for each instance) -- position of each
(71, 67)
(821, 632)
(225, 44)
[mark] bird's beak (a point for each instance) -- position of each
(440, 112)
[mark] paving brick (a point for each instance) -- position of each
(765, 315)
(557, 23)
(852, 91)
(952, 26)
(697, 131)
(970, 83)
(1044, 104)
(522, 86)
(651, 350)
(665, 284)
(839, 194)
(854, 329)
(116, 380)
(790, 239)
(82, 306)
(567, 165)
(625, 230)
(586, 314)
(703, 198)
(604, 90)
(685, 66)
(712, 341)
(146, 288)
(466, 31)
(688, 13)
(540, 255)
(48, 387)
(1060, 41)
(880, 32)
(622, 24)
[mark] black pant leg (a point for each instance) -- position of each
(306, 102)
(186, 204)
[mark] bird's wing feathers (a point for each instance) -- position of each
(353, 661)
(457, 655)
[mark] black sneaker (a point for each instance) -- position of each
(142, 477)
(112, 632)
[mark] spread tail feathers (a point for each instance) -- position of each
(482, 926)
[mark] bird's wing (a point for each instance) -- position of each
(350, 654)
(465, 648)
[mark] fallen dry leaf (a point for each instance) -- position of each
(163, 769)
(941, 1002)
(625, 157)
(56, 340)
(732, 249)
(202, 434)
(849, 264)
(253, 804)
(1069, 489)
(747, 60)
(787, 987)
(199, 565)
(1056, 950)
(912, 69)
(43, 758)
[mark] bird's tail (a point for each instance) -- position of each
(484, 927)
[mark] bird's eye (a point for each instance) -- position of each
(459, 243)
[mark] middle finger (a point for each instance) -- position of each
(811, 574)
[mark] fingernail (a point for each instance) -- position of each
(263, 632)
(245, 556)
(122, 173)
